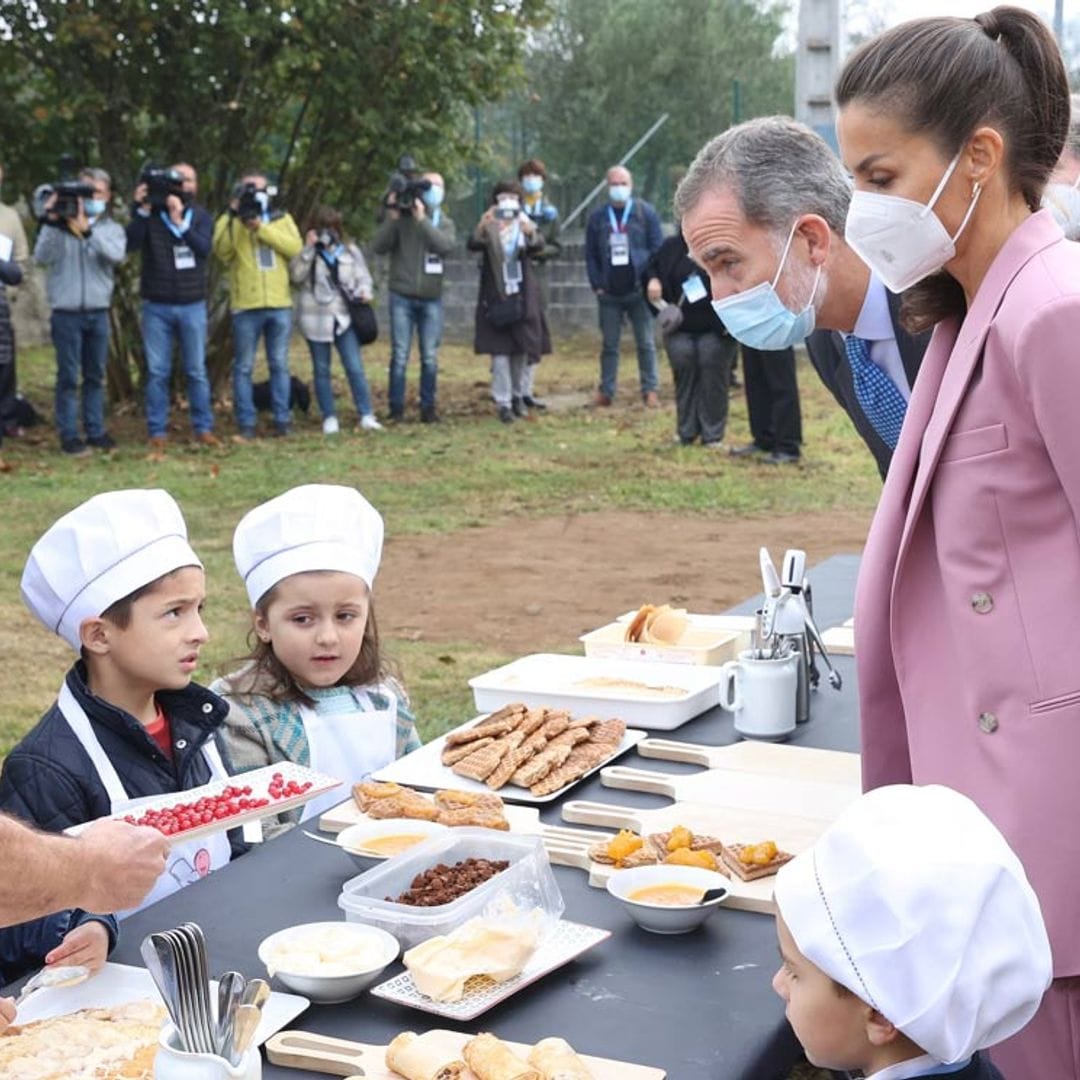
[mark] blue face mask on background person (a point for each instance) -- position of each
(94, 207)
(759, 318)
(433, 197)
(532, 185)
(619, 193)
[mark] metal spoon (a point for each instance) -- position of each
(256, 993)
(53, 977)
(321, 839)
(711, 895)
(230, 995)
(160, 960)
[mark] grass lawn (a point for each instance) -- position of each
(467, 471)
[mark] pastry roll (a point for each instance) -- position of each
(423, 1057)
(491, 1059)
(556, 1060)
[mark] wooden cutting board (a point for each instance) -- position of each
(731, 824)
(522, 819)
(339, 1057)
(840, 640)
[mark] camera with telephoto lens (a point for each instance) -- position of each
(406, 186)
(508, 210)
(68, 191)
(160, 184)
(252, 201)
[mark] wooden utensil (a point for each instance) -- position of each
(339, 1057)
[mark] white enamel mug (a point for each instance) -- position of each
(172, 1063)
(761, 695)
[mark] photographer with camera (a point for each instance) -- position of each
(174, 236)
(14, 251)
(80, 246)
(333, 281)
(417, 236)
(255, 241)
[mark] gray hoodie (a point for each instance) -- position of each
(80, 269)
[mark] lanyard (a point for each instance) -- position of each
(177, 230)
(436, 216)
(510, 241)
(621, 225)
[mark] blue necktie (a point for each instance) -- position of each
(881, 401)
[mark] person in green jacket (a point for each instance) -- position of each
(417, 241)
(255, 241)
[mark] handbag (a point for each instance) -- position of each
(506, 311)
(361, 313)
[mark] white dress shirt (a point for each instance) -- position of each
(875, 325)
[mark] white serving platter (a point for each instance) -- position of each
(117, 984)
(423, 768)
(567, 941)
(563, 682)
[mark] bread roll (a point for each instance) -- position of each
(423, 1057)
(491, 1059)
(556, 1060)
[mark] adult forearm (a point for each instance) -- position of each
(39, 872)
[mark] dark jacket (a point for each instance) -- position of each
(49, 779)
(672, 265)
(407, 242)
(160, 281)
(25, 946)
(646, 236)
(829, 357)
(530, 335)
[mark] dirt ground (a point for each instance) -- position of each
(528, 586)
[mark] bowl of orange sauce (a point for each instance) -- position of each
(372, 841)
(666, 899)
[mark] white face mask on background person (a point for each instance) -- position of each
(903, 241)
(619, 193)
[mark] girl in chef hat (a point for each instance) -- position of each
(911, 940)
(314, 689)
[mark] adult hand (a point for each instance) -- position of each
(311, 238)
(175, 207)
(86, 945)
(254, 224)
(528, 226)
(419, 210)
(488, 216)
(122, 862)
(654, 290)
(139, 195)
(365, 295)
(80, 222)
(7, 1012)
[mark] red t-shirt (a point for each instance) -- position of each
(160, 732)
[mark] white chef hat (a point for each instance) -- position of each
(914, 901)
(99, 553)
(312, 527)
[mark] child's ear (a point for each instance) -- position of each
(262, 628)
(879, 1031)
(94, 636)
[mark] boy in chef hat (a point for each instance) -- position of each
(315, 689)
(910, 938)
(118, 581)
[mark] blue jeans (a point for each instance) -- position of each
(276, 325)
(81, 339)
(407, 312)
(612, 310)
(160, 322)
(349, 350)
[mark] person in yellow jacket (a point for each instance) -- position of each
(255, 241)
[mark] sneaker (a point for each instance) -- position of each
(749, 450)
(518, 406)
(102, 442)
(506, 414)
(206, 438)
(651, 399)
(779, 457)
(369, 423)
(281, 431)
(428, 415)
(717, 447)
(74, 447)
(601, 400)
(330, 426)
(535, 403)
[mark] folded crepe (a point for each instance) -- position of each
(424, 1057)
(491, 1059)
(556, 1060)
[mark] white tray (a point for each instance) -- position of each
(566, 942)
(553, 679)
(117, 984)
(259, 782)
(423, 768)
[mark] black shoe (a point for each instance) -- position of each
(506, 414)
(74, 447)
(428, 415)
(281, 431)
(535, 403)
(779, 457)
(749, 450)
(395, 415)
(518, 405)
(103, 442)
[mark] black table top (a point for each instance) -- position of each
(699, 1005)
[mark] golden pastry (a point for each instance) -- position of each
(491, 1059)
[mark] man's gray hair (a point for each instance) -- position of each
(777, 168)
(99, 176)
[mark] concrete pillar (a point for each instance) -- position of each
(817, 63)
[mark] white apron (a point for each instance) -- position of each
(187, 860)
(349, 745)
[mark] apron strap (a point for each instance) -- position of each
(79, 723)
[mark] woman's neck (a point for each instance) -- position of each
(989, 229)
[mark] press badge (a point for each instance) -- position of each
(512, 276)
(183, 257)
(264, 257)
(694, 289)
(433, 263)
(620, 249)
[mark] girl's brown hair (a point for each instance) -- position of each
(944, 77)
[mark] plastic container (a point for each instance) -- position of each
(696, 647)
(526, 884)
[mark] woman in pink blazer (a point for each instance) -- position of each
(968, 604)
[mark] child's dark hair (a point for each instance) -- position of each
(266, 675)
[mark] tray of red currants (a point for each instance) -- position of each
(227, 804)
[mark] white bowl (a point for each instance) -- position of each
(352, 839)
(663, 918)
(331, 989)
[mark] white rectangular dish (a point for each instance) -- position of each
(656, 696)
(117, 984)
(423, 768)
(696, 646)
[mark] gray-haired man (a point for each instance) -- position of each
(766, 202)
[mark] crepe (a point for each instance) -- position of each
(556, 1060)
(491, 1059)
(117, 1043)
(424, 1057)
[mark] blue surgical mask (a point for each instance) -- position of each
(619, 193)
(759, 318)
(94, 207)
(532, 185)
(433, 197)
